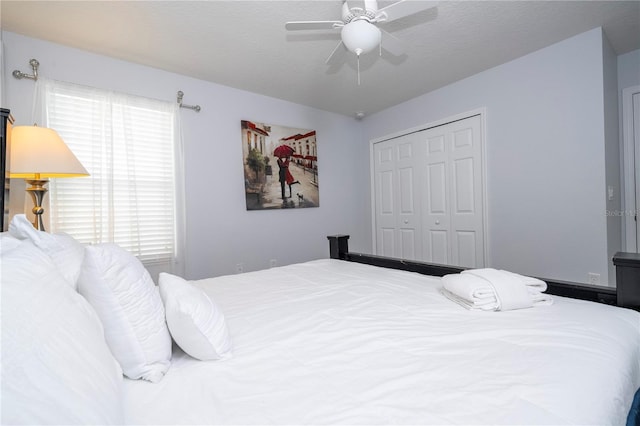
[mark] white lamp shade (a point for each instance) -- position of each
(361, 36)
(40, 153)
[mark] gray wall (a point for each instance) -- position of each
(220, 232)
(612, 154)
(629, 69)
(547, 171)
(545, 155)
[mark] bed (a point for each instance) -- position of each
(322, 342)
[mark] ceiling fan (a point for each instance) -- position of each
(359, 28)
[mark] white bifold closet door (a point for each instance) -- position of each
(428, 195)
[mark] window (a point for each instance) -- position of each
(128, 144)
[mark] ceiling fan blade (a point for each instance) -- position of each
(345, 11)
(313, 25)
(392, 44)
(371, 5)
(337, 56)
(403, 8)
(356, 4)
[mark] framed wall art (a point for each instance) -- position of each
(280, 166)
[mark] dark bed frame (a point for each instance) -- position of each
(626, 293)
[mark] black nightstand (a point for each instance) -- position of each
(628, 279)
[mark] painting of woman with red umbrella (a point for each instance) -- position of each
(291, 149)
(284, 153)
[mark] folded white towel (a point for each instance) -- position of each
(468, 287)
(492, 289)
(488, 305)
(510, 292)
(533, 284)
(542, 299)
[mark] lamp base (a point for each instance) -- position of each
(37, 192)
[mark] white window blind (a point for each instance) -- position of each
(128, 145)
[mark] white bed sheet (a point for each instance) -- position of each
(334, 342)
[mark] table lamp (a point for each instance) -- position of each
(36, 154)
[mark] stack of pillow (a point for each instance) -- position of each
(75, 318)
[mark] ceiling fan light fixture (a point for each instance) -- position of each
(361, 36)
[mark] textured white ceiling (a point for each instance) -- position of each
(244, 44)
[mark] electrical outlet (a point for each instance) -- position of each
(594, 278)
(273, 263)
(239, 268)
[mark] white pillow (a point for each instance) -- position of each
(127, 301)
(8, 242)
(195, 322)
(56, 365)
(67, 254)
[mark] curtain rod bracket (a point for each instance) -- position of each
(34, 66)
(196, 108)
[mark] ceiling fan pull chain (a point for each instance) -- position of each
(358, 70)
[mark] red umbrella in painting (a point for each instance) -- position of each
(283, 151)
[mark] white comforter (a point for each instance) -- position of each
(337, 342)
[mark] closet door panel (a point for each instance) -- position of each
(385, 203)
(437, 247)
(465, 249)
(467, 214)
(387, 241)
